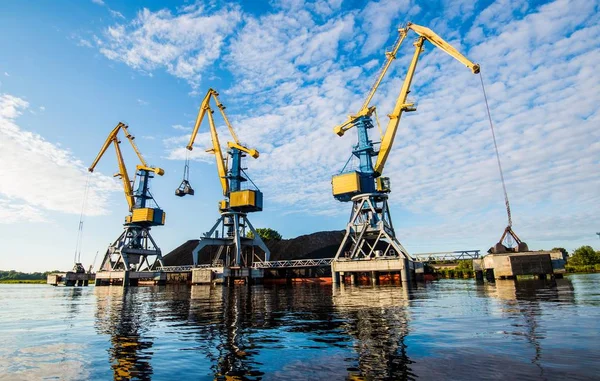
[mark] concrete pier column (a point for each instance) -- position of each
(405, 272)
(335, 278)
(353, 279)
(374, 278)
(479, 275)
(125, 278)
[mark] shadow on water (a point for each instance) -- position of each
(125, 315)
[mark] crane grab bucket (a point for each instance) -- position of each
(185, 188)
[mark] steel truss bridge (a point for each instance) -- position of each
(325, 262)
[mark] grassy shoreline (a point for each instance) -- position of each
(22, 281)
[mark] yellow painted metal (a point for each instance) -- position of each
(442, 44)
(164, 217)
(345, 183)
(127, 219)
(143, 215)
(242, 198)
(367, 110)
(401, 105)
(250, 151)
(122, 174)
(222, 205)
(216, 145)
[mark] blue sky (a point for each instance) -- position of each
(288, 72)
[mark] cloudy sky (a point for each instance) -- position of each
(288, 72)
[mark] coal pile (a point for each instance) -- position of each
(310, 246)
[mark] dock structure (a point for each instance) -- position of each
(370, 245)
(130, 278)
(77, 277)
(511, 265)
(69, 279)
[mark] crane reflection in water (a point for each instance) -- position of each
(378, 320)
(125, 316)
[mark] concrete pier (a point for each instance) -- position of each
(130, 278)
(373, 268)
(70, 279)
(511, 265)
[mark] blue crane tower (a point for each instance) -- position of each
(135, 247)
(236, 248)
(370, 233)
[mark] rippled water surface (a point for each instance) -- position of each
(451, 329)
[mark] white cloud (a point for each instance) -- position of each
(99, 2)
(296, 76)
(38, 176)
(6, 74)
(42, 108)
(85, 43)
(185, 44)
(181, 128)
(142, 102)
(116, 13)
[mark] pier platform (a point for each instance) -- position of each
(130, 278)
(528, 263)
(70, 279)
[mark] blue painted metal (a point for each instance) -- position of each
(364, 150)
(141, 194)
(235, 173)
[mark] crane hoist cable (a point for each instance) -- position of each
(79, 243)
(487, 107)
(509, 235)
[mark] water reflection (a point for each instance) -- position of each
(124, 314)
(378, 318)
(522, 303)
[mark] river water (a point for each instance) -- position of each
(449, 329)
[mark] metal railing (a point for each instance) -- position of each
(322, 262)
(447, 255)
(293, 263)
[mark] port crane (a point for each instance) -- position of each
(229, 233)
(135, 247)
(370, 231)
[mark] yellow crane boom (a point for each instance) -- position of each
(401, 105)
(216, 145)
(122, 174)
(428, 34)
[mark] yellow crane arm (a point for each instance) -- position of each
(216, 150)
(442, 44)
(203, 107)
(112, 137)
(250, 151)
(222, 110)
(122, 174)
(365, 109)
(216, 145)
(401, 105)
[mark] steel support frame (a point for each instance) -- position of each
(370, 224)
(232, 227)
(132, 251)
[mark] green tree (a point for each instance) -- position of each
(583, 256)
(266, 234)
